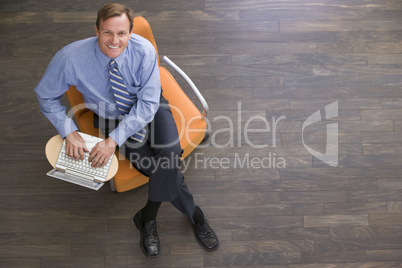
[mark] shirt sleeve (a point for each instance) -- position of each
(147, 104)
(49, 92)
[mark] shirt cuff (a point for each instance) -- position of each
(67, 128)
(118, 136)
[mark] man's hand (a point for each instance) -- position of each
(101, 152)
(75, 146)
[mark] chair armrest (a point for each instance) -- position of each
(190, 83)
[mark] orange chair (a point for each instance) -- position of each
(191, 123)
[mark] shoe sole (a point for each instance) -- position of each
(138, 226)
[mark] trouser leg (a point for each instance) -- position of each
(159, 158)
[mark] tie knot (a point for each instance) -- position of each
(112, 62)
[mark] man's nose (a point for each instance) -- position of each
(115, 39)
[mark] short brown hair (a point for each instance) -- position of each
(114, 10)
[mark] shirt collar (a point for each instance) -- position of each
(120, 59)
(103, 59)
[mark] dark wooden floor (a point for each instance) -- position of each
(261, 64)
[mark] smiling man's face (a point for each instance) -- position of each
(113, 35)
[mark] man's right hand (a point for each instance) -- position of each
(75, 145)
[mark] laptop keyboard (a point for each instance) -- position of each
(81, 168)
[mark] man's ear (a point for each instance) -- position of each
(97, 31)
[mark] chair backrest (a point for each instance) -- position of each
(142, 28)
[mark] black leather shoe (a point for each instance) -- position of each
(149, 241)
(205, 236)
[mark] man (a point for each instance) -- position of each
(139, 121)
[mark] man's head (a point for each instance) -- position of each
(113, 28)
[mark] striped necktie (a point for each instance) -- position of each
(123, 99)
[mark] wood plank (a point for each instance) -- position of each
(394, 5)
(360, 47)
(321, 185)
(290, 4)
(241, 82)
(384, 58)
(376, 149)
(327, 14)
(267, 246)
(349, 265)
(367, 36)
(383, 114)
(335, 220)
(384, 255)
(252, 104)
(352, 208)
(254, 259)
(187, 15)
(183, 260)
(356, 70)
(370, 137)
(369, 160)
(31, 238)
(394, 207)
(93, 6)
(336, 26)
(211, 27)
(331, 92)
(334, 257)
(344, 81)
(249, 34)
(54, 226)
(384, 220)
(249, 70)
(389, 103)
(389, 184)
(316, 103)
(32, 251)
(10, 6)
(302, 59)
(72, 262)
(382, 195)
(245, 48)
(358, 244)
(26, 17)
(20, 262)
(365, 231)
(109, 249)
(280, 233)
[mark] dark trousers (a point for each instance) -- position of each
(158, 157)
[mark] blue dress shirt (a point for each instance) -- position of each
(82, 64)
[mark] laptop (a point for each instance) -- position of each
(80, 172)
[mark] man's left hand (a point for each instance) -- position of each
(101, 152)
